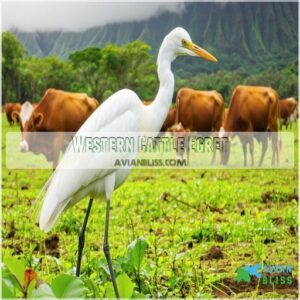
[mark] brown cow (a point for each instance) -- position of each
(169, 121)
(9, 108)
(201, 111)
(288, 112)
(58, 111)
(253, 109)
(24, 113)
(225, 115)
(182, 140)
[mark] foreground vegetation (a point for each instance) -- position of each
(173, 233)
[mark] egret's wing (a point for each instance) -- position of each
(118, 113)
(89, 167)
(115, 106)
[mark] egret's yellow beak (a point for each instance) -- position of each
(200, 52)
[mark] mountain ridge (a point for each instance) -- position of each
(245, 36)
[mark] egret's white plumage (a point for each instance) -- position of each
(123, 111)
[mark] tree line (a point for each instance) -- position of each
(100, 72)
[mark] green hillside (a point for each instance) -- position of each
(247, 37)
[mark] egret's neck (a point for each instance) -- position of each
(161, 104)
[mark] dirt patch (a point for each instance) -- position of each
(17, 249)
(293, 197)
(12, 230)
(24, 186)
(293, 230)
(165, 196)
(214, 209)
(51, 244)
(183, 180)
(143, 178)
(273, 195)
(230, 287)
(266, 197)
(269, 241)
(214, 252)
(277, 220)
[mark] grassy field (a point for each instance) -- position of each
(200, 227)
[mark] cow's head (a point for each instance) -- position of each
(29, 127)
(34, 123)
(224, 154)
(180, 134)
(30, 121)
(8, 106)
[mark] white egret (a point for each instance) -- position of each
(123, 111)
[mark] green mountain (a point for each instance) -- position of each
(245, 36)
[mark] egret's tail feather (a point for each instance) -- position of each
(48, 218)
(51, 205)
(38, 202)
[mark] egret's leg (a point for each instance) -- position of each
(107, 252)
(82, 237)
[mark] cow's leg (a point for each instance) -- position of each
(251, 147)
(81, 237)
(244, 143)
(245, 153)
(188, 152)
(263, 149)
(275, 148)
(213, 160)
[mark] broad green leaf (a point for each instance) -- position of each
(43, 291)
(125, 287)
(138, 295)
(68, 286)
(93, 287)
(8, 290)
(31, 287)
(16, 267)
(136, 252)
(12, 279)
(103, 265)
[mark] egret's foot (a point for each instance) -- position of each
(111, 270)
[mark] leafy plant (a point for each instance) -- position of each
(135, 255)
(125, 287)
(16, 279)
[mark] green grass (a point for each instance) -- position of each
(249, 214)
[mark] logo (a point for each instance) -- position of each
(267, 274)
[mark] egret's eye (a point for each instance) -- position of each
(184, 43)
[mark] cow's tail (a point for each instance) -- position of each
(278, 126)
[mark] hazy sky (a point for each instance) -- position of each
(76, 16)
